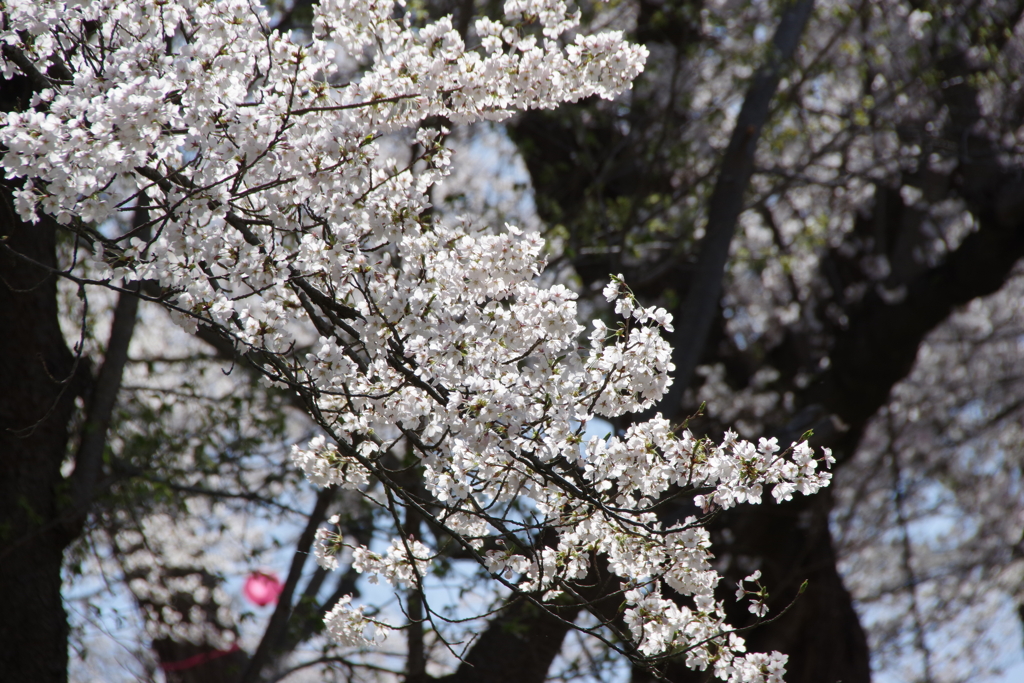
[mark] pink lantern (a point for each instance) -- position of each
(262, 588)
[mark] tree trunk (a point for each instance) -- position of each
(36, 403)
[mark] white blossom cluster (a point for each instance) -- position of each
(401, 565)
(650, 458)
(276, 222)
(348, 626)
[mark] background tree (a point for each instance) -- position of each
(883, 193)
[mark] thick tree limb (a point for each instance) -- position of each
(880, 345)
(701, 306)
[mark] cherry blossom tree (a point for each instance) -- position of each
(450, 387)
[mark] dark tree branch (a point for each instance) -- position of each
(698, 311)
(103, 399)
(277, 628)
(880, 344)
